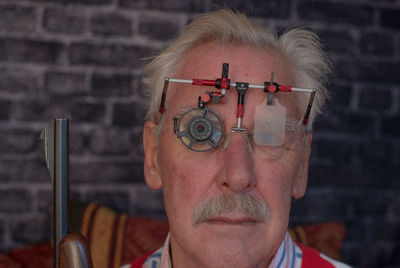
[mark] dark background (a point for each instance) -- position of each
(81, 59)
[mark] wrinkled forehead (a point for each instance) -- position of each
(246, 64)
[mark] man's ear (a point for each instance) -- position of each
(300, 183)
(151, 166)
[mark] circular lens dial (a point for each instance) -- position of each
(200, 129)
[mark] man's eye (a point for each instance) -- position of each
(262, 147)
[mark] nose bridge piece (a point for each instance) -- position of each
(243, 132)
(238, 166)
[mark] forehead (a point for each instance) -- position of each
(246, 64)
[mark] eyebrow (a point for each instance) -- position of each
(292, 124)
(184, 109)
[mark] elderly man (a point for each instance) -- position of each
(230, 151)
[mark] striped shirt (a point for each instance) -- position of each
(289, 255)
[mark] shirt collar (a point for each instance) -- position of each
(288, 255)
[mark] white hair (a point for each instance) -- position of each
(301, 47)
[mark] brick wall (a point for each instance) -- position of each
(81, 59)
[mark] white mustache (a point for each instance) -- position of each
(229, 203)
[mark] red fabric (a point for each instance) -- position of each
(142, 235)
(34, 256)
(312, 258)
(139, 262)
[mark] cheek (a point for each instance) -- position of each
(184, 176)
(276, 181)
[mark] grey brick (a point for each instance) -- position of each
(356, 229)
(62, 20)
(376, 43)
(107, 85)
(30, 231)
(175, 5)
(14, 50)
(25, 170)
(355, 14)
(395, 259)
(354, 252)
(158, 28)
(5, 106)
(79, 140)
(346, 69)
(154, 200)
(391, 125)
(77, 111)
(18, 140)
(334, 151)
(330, 204)
(77, 2)
(107, 172)
(90, 2)
(390, 18)
(111, 24)
(257, 8)
(30, 110)
(343, 121)
(128, 114)
(107, 55)
(369, 175)
(137, 143)
(2, 233)
(65, 83)
(116, 200)
(19, 81)
(111, 141)
(377, 151)
(337, 41)
(15, 201)
(87, 112)
(137, 4)
(375, 98)
(371, 202)
(14, 18)
(383, 72)
(341, 93)
(44, 200)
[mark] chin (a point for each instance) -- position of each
(231, 248)
(235, 257)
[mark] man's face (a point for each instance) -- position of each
(190, 178)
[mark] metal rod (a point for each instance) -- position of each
(233, 84)
(180, 80)
(61, 182)
(308, 90)
(56, 145)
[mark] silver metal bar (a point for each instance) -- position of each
(233, 84)
(250, 85)
(308, 90)
(180, 80)
(239, 122)
(55, 137)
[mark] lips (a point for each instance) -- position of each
(232, 220)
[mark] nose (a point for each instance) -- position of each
(237, 167)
